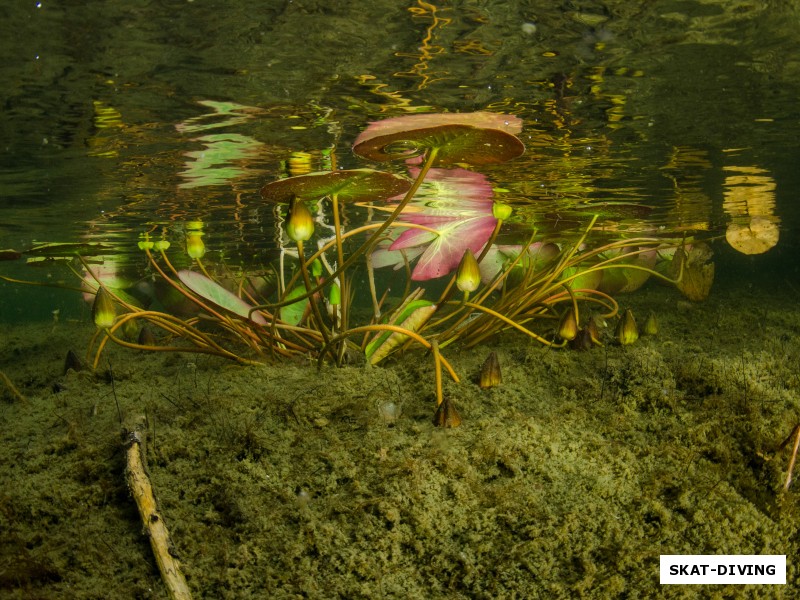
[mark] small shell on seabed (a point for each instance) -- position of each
(389, 412)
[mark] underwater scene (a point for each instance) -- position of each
(397, 299)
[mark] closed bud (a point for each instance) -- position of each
(568, 327)
(627, 332)
(195, 247)
(300, 225)
(501, 211)
(468, 276)
(446, 415)
(594, 331)
(103, 310)
(161, 245)
(490, 372)
(650, 326)
(335, 295)
(146, 337)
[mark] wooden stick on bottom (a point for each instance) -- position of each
(14, 391)
(142, 491)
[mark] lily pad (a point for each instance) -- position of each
(478, 138)
(355, 185)
(9, 254)
(70, 249)
(216, 294)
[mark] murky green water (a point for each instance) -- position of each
(120, 118)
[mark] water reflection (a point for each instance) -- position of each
(160, 118)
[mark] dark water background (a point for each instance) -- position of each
(124, 117)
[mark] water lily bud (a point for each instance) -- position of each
(501, 211)
(300, 225)
(103, 310)
(490, 372)
(568, 327)
(468, 277)
(195, 247)
(446, 415)
(161, 245)
(146, 337)
(627, 332)
(650, 326)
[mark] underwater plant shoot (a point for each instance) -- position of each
(399, 300)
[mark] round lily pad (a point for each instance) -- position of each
(478, 138)
(355, 185)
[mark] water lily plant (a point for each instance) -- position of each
(442, 217)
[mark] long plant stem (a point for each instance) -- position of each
(312, 299)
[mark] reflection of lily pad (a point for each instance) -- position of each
(476, 138)
(356, 185)
(756, 236)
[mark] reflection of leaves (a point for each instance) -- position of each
(216, 163)
(698, 271)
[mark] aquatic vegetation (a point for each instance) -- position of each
(444, 218)
(490, 375)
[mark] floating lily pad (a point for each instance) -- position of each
(478, 138)
(9, 254)
(71, 249)
(355, 185)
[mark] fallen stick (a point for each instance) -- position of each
(14, 391)
(153, 521)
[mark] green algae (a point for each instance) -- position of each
(568, 480)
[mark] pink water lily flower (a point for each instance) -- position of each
(457, 204)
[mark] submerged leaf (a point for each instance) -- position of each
(213, 292)
(698, 270)
(413, 316)
(293, 313)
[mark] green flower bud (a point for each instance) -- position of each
(300, 224)
(468, 276)
(103, 310)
